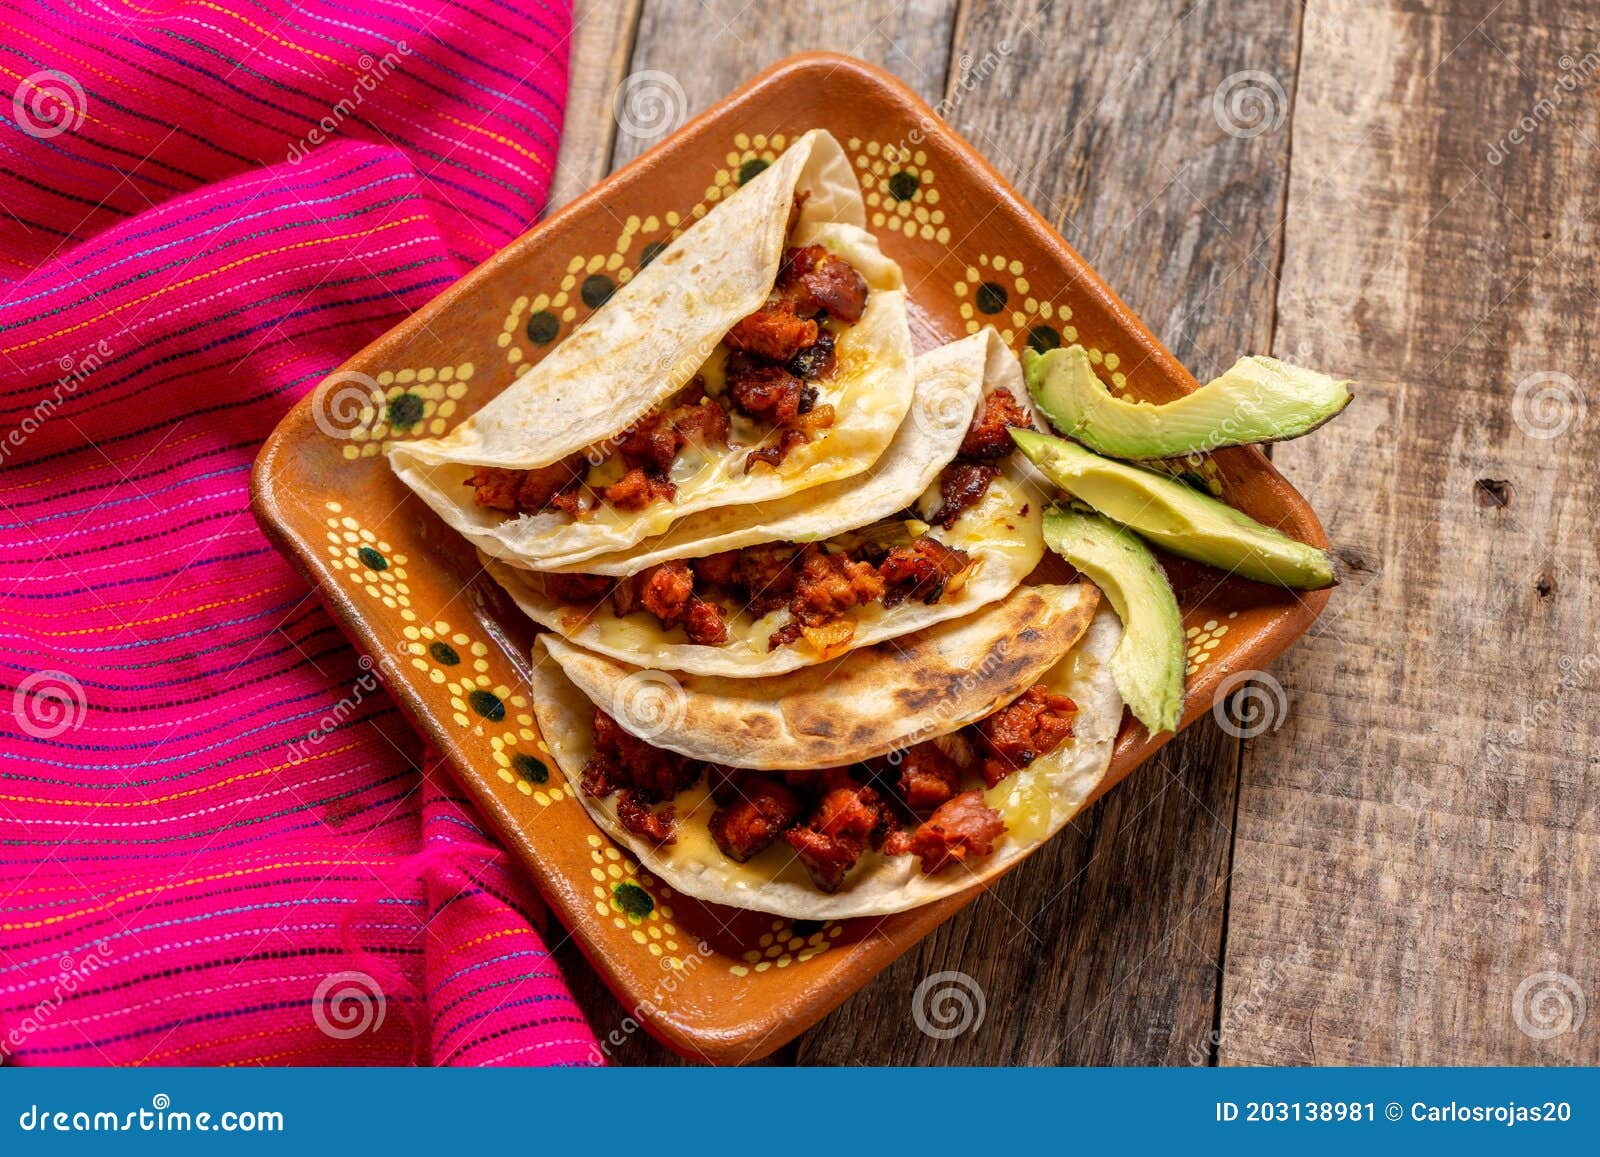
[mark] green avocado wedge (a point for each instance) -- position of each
(1177, 518)
(1258, 400)
(1148, 663)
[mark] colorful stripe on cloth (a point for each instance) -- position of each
(206, 209)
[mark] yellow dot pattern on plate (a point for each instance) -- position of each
(782, 945)
(751, 153)
(1201, 641)
(456, 661)
(410, 403)
(367, 561)
(436, 649)
(513, 763)
(900, 189)
(995, 290)
(634, 901)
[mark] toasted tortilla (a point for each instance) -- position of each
(1036, 802)
(646, 344)
(1003, 533)
(870, 702)
(950, 383)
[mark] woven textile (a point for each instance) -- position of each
(204, 209)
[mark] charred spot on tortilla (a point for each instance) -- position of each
(919, 698)
(867, 702)
(817, 725)
(759, 727)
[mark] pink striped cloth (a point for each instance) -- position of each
(203, 210)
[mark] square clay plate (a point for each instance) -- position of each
(714, 983)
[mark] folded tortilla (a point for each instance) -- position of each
(1035, 802)
(646, 344)
(1003, 533)
(872, 701)
(950, 383)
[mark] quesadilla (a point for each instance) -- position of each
(870, 702)
(918, 823)
(763, 352)
(762, 591)
(949, 385)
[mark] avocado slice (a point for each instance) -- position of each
(1148, 663)
(1258, 400)
(1176, 517)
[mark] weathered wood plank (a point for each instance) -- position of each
(709, 48)
(1103, 948)
(1418, 842)
(601, 43)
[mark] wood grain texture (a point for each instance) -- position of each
(1104, 947)
(709, 47)
(602, 41)
(1418, 840)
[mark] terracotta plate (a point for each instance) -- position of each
(711, 982)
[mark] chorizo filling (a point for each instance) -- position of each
(911, 803)
(964, 482)
(766, 372)
(890, 563)
(820, 584)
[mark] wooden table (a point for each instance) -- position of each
(1404, 193)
